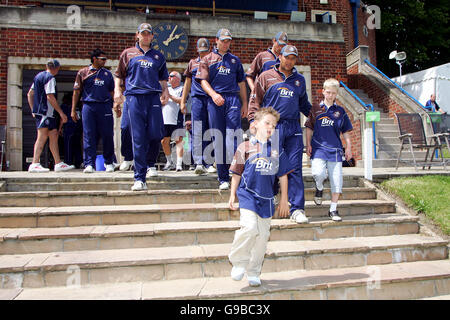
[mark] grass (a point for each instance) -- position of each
(429, 195)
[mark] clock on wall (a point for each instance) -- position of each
(170, 39)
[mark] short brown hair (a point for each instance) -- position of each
(264, 111)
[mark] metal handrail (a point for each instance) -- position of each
(366, 107)
(395, 84)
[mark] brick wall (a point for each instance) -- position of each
(326, 59)
(378, 95)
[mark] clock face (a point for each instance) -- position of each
(170, 39)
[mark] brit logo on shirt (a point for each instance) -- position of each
(223, 70)
(286, 93)
(263, 165)
(326, 122)
(99, 82)
(145, 63)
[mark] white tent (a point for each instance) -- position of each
(423, 83)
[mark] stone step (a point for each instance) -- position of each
(76, 182)
(106, 198)
(406, 154)
(386, 140)
(412, 280)
(40, 240)
(387, 133)
(109, 181)
(203, 261)
(31, 217)
(387, 127)
(385, 120)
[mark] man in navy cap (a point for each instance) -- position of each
(42, 100)
(143, 72)
(266, 59)
(199, 110)
(284, 89)
(222, 77)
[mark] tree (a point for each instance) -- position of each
(418, 27)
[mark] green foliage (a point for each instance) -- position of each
(419, 27)
(426, 194)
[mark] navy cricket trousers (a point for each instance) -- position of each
(147, 130)
(97, 123)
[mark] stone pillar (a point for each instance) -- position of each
(14, 117)
(355, 58)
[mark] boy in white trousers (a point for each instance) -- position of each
(254, 167)
(324, 126)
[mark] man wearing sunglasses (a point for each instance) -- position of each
(95, 85)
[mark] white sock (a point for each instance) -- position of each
(169, 158)
(179, 161)
(333, 206)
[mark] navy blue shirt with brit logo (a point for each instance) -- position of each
(142, 71)
(258, 165)
(224, 73)
(95, 85)
(328, 124)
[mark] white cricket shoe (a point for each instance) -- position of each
(89, 169)
(151, 172)
(109, 168)
(63, 166)
(299, 216)
(211, 169)
(254, 281)
(36, 167)
(126, 165)
(139, 186)
(200, 169)
(224, 186)
(237, 273)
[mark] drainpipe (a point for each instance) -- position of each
(355, 4)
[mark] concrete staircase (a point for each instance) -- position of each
(388, 143)
(70, 236)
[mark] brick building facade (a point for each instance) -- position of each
(322, 51)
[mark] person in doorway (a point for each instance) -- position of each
(42, 100)
(173, 122)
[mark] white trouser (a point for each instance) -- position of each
(319, 169)
(250, 242)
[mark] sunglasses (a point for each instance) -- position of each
(102, 58)
(172, 75)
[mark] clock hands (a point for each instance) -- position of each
(171, 37)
